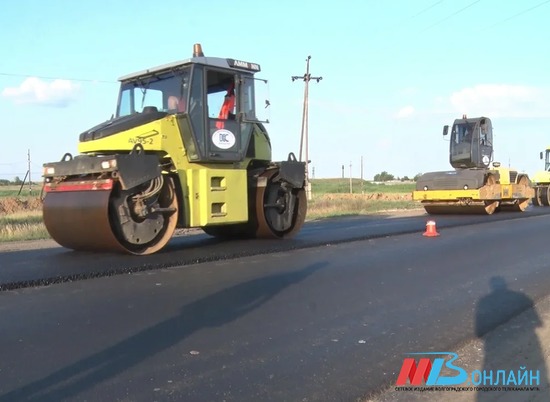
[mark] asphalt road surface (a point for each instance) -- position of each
(325, 318)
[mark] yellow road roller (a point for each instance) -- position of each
(186, 148)
(541, 182)
(477, 185)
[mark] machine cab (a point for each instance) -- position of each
(471, 143)
(213, 100)
(546, 156)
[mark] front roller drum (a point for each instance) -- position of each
(79, 220)
(105, 220)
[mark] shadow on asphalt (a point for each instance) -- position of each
(494, 309)
(214, 310)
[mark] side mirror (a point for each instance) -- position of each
(445, 130)
(540, 155)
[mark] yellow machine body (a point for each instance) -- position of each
(211, 193)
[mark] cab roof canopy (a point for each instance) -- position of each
(465, 119)
(198, 58)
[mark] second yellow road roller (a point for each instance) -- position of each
(477, 185)
(185, 148)
(541, 182)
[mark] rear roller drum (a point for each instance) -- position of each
(280, 208)
(277, 211)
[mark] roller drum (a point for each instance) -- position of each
(280, 212)
(106, 220)
(276, 212)
(474, 208)
(79, 220)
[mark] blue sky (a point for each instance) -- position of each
(394, 72)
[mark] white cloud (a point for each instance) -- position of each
(405, 112)
(57, 93)
(502, 100)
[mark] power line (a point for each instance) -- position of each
(399, 25)
(427, 9)
(58, 78)
(518, 14)
(452, 15)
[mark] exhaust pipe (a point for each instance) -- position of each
(197, 50)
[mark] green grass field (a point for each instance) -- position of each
(13, 191)
(322, 186)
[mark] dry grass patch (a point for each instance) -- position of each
(327, 205)
(22, 226)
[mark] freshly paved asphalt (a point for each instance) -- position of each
(323, 319)
(20, 269)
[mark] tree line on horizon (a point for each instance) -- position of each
(385, 176)
(15, 181)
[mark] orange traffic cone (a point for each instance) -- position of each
(431, 230)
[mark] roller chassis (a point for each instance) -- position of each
(143, 206)
(492, 191)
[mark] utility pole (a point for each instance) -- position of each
(313, 172)
(304, 137)
(350, 180)
(29, 169)
(28, 174)
(361, 174)
(343, 171)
